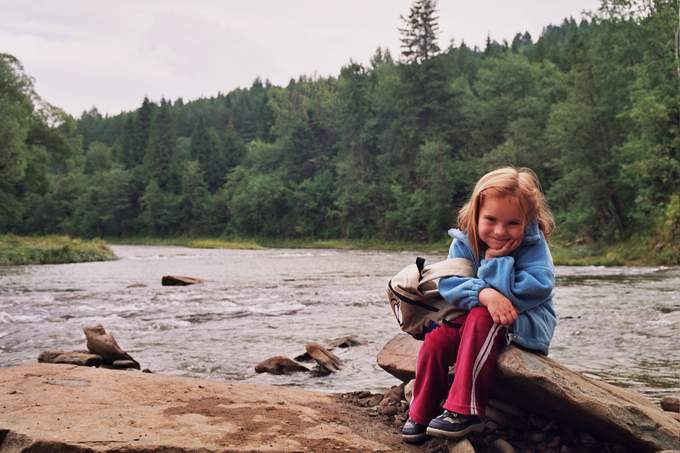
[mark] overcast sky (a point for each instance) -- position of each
(85, 53)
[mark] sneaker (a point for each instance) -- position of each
(454, 425)
(413, 432)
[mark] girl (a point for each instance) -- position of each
(503, 230)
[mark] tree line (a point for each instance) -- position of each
(387, 150)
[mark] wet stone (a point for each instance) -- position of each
(671, 403)
(124, 364)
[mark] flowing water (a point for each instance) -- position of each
(621, 325)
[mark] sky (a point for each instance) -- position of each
(109, 55)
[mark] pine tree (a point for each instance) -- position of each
(142, 131)
(162, 149)
(419, 35)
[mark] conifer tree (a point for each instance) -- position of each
(419, 35)
(162, 149)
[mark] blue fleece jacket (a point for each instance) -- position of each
(526, 277)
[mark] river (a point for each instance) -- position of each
(618, 324)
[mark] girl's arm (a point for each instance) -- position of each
(463, 292)
(528, 283)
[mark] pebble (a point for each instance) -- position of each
(389, 410)
(375, 400)
(555, 442)
(504, 419)
(548, 427)
(503, 446)
(537, 437)
(462, 446)
(587, 440)
(536, 422)
(506, 407)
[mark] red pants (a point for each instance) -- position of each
(472, 343)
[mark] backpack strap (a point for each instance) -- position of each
(460, 267)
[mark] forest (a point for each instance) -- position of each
(387, 150)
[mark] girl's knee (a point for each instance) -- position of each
(436, 343)
(479, 315)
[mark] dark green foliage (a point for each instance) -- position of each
(160, 158)
(385, 151)
(195, 201)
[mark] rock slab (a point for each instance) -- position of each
(541, 385)
(398, 357)
(70, 357)
(58, 408)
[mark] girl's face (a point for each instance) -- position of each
(500, 221)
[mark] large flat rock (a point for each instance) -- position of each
(53, 408)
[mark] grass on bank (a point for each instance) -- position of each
(265, 243)
(636, 251)
(19, 250)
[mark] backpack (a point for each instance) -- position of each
(415, 299)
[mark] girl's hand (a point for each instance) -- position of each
(507, 249)
(500, 308)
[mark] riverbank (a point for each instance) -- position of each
(20, 250)
(638, 251)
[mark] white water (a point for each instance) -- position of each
(617, 324)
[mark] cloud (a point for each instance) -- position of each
(112, 54)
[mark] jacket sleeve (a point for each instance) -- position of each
(463, 292)
(526, 287)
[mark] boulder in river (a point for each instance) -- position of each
(343, 342)
(179, 280)
(102, 343)
(327, 361)
(79, 358)
(136, 285)
(671, 403)
(279, 365)
(543, 386)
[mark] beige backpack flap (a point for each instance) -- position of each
(426, 303)
(459, 267)
(429, 282)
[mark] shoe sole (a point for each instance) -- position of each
(414, 438)
(434, 432)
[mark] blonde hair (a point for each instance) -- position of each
(519, 183)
